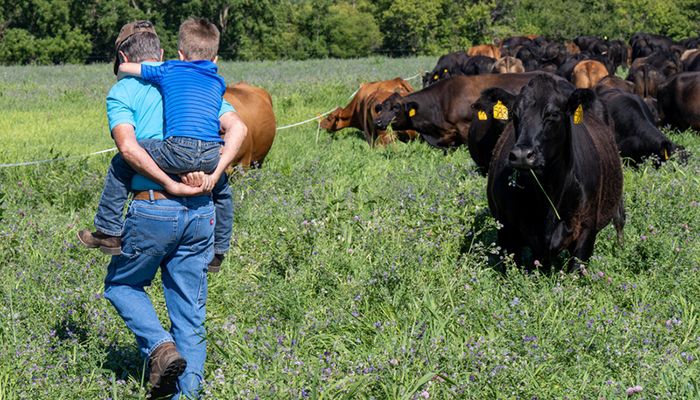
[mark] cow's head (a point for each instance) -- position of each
(330, 122)
(395, 109)
(544, 114)
(438, 74)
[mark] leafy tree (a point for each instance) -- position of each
(351, 32)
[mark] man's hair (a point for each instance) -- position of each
(198, 39)
(141, 46)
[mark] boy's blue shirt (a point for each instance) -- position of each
(192, 93)
(138, 103)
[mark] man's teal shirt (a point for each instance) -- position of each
(138, 103)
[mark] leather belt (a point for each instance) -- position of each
(152, 195)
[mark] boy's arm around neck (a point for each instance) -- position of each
(129, 69)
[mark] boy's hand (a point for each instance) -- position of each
(193, 178)
(182, 190)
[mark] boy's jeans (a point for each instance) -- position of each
(176, 155)
(176, 234)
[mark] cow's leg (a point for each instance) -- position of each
(511, 243)
(581, 250)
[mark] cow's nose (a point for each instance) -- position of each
(522, 157)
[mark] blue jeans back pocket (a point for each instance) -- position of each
(149, 231)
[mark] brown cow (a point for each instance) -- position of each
(254, 105)
(571, 47)
(442, 113)
(588, 73)
(360, 113)
(487, 50)
(508, 65)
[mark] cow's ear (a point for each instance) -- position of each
(579, 102)
(411, 108)
(497, 94)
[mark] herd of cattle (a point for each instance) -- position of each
(548, 122)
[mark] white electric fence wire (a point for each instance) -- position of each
(26, 163)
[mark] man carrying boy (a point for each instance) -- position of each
(192, 98)
(175, 233)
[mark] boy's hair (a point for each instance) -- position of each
(198, 39)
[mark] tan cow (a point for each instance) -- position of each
(487, 50)
(588, 73)
(508, 64)
(360, 113)
(254, 105)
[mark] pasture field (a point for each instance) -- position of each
(354, 273)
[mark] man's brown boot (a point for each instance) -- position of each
(215, 264)
(166, 366)
(111, 245)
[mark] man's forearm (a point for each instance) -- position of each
(235, 132)
(137, 157)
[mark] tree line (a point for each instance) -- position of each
(80, 31)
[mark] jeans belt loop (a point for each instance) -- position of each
(150, 195)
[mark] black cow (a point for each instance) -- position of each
(478, 65)
(574, 158)
(488, 125)
(679, 101)
(592, 44)
(617, 53)
(458, 63)
(648, 72)
(643, 44)
(511, 45)
(636, 134)
(442, 112)
(691, 61)
(447, 65)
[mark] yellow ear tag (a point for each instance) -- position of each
(482, 115)
(500, 111)
(665, 155)
(435, 77)
(578, 115)
(444, 70)
(412, 112)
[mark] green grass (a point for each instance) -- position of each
(354, 273)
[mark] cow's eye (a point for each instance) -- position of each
(395, 107)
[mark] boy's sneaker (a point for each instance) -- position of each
(215, 264)
(111, 245)
(166, 366)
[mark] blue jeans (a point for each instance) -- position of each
(176, 235)
(174, 155)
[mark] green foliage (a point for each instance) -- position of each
(351, 32)
(75, 31)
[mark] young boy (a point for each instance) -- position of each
(192, 94)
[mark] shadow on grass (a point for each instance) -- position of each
(483, 238)
(126, 363)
